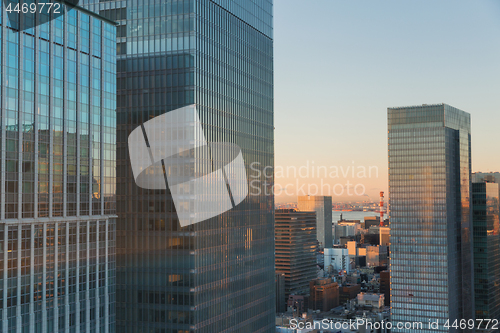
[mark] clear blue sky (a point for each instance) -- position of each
(340, 63)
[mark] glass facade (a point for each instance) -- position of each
(58, 142)
(489, 177)
(429, 185)
(485, 218)
(216, 275)
(322, 206)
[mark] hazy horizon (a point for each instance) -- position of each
(340, 64)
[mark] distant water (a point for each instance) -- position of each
(353, 215)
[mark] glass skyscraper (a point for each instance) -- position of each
(429, 185)
(489, 177)
(216, 275)
(322, 206)
(485, 217)
(58, 142)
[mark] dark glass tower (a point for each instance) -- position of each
(322, 206)
(485, 218)
(216, 275)
(57, 160)
(429, 186)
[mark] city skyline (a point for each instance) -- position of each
(147, 183)
(348, 61)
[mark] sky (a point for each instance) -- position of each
(340, 63)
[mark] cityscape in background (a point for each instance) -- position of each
(194, 228)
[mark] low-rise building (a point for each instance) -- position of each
(376, 255)
(324, 294)
(338, 259)
(344, 240)
(345, 229)
(298, 303)
(371, 300)
(348, 292)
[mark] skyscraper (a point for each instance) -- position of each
(385, 287)
(216, 275)
(322, 205)
(429, 185)
(295, 238)
(280, 293)
(485, 219)
(489, 177)
(58, 141)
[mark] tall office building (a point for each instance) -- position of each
(490, 177)
(216, 275)
(295, 237)
(322, 205)
(280, 293)
(485, 219)
(57, 223)
(385, 287)
(429, 184)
